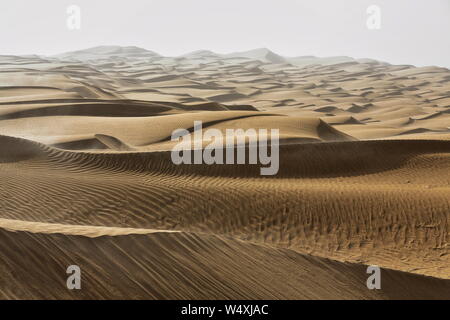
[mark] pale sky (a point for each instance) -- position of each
(412, 31)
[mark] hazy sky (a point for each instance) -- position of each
(412, 31)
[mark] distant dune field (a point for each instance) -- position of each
(87, 177)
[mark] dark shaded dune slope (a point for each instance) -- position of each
(305, 160)
(106, 108)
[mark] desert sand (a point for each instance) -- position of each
(87, 178)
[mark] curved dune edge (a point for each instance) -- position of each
(187, 266)
(76, 230)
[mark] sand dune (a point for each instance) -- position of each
(87, 177)
(181, 265)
